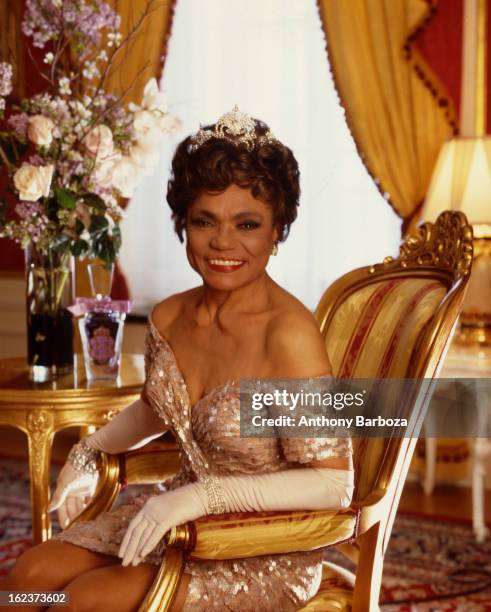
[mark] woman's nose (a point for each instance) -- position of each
(222, 239)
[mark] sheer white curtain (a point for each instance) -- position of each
(268, 57)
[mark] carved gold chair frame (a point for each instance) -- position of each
(441, 251)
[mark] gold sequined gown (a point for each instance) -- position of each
(210, 442)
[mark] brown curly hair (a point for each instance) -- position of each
(270, 171)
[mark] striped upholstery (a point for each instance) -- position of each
(240, 535)
(374, 331)
(373, 334)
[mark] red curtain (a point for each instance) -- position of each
(439, 43)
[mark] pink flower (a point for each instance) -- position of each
(5, 79)
(27, 210)
(99, 142)
(85, 18)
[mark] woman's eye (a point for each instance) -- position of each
(200, 222)
(249, 225)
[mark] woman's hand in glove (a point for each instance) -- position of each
(73, 493)
(159, 514)
(314, 488)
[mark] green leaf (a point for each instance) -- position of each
(99, 223)
(116, 238)
(79, 227)
(100, 250)
(65, 197)
(104, 249)
(93, 200)
(51, 207)
(79, 247)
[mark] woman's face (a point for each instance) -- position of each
(229, 237)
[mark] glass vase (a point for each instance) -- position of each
(49, 291)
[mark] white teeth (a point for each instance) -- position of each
(226, 262)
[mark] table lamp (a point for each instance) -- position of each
(462, 181)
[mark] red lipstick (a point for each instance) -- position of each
(224, 267)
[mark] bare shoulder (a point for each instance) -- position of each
(295, 347)
(166, 311)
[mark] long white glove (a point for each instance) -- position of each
(130, 429)
(295, 489)
(74, 490)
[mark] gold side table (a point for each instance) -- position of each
(42, 409)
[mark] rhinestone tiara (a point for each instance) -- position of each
(235, 127)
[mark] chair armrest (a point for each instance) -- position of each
(149, 465)
(227, 536)
(243, 534)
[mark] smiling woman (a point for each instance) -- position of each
(228, 232)
(236, 203)
(234, 194)
(231, 232)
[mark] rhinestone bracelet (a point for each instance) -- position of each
(84, 458)
(214, 493)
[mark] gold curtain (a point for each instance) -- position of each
(140, 60)
(11, 49)
(395, 119)
(144, 56)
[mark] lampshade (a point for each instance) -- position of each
(461, 180)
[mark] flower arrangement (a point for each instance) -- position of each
(73, 151)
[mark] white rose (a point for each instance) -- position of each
(153, 98)
(146, 127)
(125, 176)
(146, 157)
(99, 142)
(104, 170)
(169, 123)
(40, 130)
(32, 182)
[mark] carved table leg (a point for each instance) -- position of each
(39, 439)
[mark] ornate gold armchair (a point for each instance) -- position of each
(390, 320)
